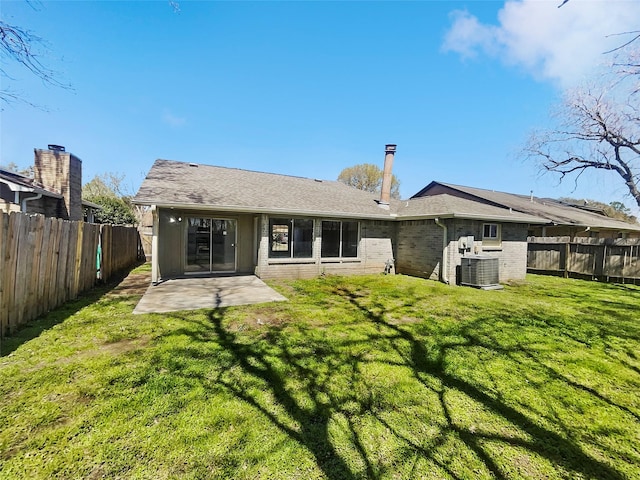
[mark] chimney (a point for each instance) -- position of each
(61, 172)
(385, 193)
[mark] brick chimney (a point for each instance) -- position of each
(61, 172)
(385, 193)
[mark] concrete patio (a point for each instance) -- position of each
(205, 292)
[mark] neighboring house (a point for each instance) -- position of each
(54, 191)
(209, 219)
(562, 219)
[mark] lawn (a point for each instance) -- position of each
(355, 377)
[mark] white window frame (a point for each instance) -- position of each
(491, 240)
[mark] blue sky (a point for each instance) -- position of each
(309, 88)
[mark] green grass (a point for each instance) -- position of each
(355, 377)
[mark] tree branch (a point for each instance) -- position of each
(19, 46)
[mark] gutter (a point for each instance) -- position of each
(320, 213)
(23, 206)
(274, 211)
(445, 250)
(474, 216)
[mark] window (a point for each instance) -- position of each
(291, 238)
(491, 235)
(339, 239)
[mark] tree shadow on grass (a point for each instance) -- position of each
(306, 411)
(544, 442)
(36, 327)
(313, 420)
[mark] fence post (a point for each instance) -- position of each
(3, 281)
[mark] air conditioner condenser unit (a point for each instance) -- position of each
(480, 271)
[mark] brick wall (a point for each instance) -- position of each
(47, 206)
(512, 251)
(419, 248)
(375, 248)
(416, 246)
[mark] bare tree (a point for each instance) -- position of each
(598, 128)
(22, 47)
(13, 167)
(627, 64)
(109, 184)
(26, 49)
(368, 177)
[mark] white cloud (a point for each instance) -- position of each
(560, 44)
(173, 120)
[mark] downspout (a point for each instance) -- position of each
(23, 206)
(445, 250)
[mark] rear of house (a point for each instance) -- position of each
(434, 234)
(278, 245)
(211, 219)
(217, 220)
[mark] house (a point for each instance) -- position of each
(209, 219)
(562, 219)
(54, 191)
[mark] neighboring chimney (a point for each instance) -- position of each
(61, 172)
(385, 193)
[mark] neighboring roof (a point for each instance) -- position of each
(197, 186)
(21, 183)
(87, 203)
(189, 185)
(584, 205)
(554, 211)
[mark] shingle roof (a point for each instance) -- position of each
(25, 184)
(184, 185)
(187, 185)
(450, 206)
(552, 210)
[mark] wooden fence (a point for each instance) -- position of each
(45, 262)
(120, 248)
(600, 258)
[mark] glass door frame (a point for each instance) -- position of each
(211, 253)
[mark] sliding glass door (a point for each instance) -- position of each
(211, 245)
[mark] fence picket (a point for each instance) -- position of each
(47, 261)
(4, 295)
(14, 234)
(598, 258)
(44, 258)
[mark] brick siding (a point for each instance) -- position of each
(374, 250)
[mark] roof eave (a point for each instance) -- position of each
(502, 218)
(320, 213)
(16, 187)
(87, 203)
(591, 226)
(474, 216)
(277, 211)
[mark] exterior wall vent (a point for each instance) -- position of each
(481, 271)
